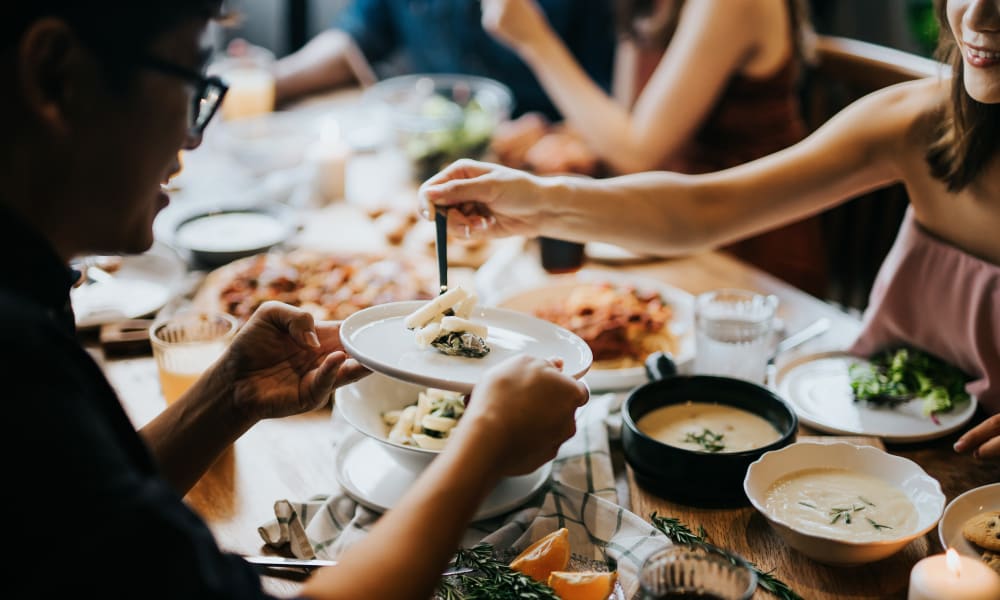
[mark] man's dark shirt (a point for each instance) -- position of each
(446, 36)
(86, 507)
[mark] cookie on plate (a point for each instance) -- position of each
(984, 530)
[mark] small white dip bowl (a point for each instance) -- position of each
(363, 403)
(920, 488)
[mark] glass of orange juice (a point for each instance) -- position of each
(185, 344)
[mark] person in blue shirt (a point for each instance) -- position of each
(443, 36)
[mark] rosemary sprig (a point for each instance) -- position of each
(808, 504)
(839, 511)
(707, 439)
(866, 501)
(877, 526)
(491, 579)
(681, 534)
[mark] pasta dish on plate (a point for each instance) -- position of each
(621, 324)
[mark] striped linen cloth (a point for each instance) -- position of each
(580, 496)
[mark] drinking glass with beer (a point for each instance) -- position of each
(185, 344)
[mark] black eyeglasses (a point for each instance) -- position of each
(208, 91)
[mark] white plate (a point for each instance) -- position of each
(377, 338)
(973, 502)
(612, 254)
(559, 287)
(141, 286)
(818, 388)
(373, 478)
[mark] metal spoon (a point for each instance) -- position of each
(441, 225)
(816, 328)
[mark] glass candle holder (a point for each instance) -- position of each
(682, 572)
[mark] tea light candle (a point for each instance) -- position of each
(328, 157)
(953, 577)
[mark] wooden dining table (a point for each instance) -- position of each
(293, 458)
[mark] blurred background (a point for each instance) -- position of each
(285, 25)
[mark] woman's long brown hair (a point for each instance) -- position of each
(641, 22)
(968, 131)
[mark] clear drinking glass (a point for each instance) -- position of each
(185, 344)
(734, 331)
(249, 72)
(681, 572)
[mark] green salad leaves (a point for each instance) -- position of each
(896, 376)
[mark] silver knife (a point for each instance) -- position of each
(314, 563)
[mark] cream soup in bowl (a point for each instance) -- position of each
(834, 480)
(707, 427)
(842, 504)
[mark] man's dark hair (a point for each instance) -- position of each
(116, 30)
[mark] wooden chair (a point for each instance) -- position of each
(859, 233)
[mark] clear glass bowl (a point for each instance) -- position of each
(438, 119)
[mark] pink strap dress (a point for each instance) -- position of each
(936, 297)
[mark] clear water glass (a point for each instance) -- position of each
(185, 345)
(685, 572)
(734, 333)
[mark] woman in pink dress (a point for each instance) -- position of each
(939, 290)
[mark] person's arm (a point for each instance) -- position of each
(714, 39)
(672, 214)
(329, 60)
(281, 363)
(363, 33)
(516, 420)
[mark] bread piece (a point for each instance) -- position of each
(983, 530)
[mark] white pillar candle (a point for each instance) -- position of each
(953, 577)
(328, 157)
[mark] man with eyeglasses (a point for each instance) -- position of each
(99, 97)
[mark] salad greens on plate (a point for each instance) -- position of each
(904, 374)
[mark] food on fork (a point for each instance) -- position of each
(444, 324)
(427, 423)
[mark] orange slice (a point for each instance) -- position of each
(551, 553)
(583, 585)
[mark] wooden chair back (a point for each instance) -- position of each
(860, 233)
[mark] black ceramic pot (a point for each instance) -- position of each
(688, 476)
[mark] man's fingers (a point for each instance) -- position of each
(297, 322)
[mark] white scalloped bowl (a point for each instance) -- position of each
(362, 404)
(922, 490)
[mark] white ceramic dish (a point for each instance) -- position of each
(221, 236)
(818, 387)
(965, 506)
(560, 287)
(362, 405)
(920, 488)
(377, 338)
(142, 285)
(372, 476)
(612, 254)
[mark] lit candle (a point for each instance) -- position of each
(953, 577)
(328, 157)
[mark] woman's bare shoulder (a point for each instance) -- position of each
(899, 115)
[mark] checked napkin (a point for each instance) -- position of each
(580, 496)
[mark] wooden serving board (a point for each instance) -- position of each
(746, 532)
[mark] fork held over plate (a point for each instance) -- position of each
(441, 225)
